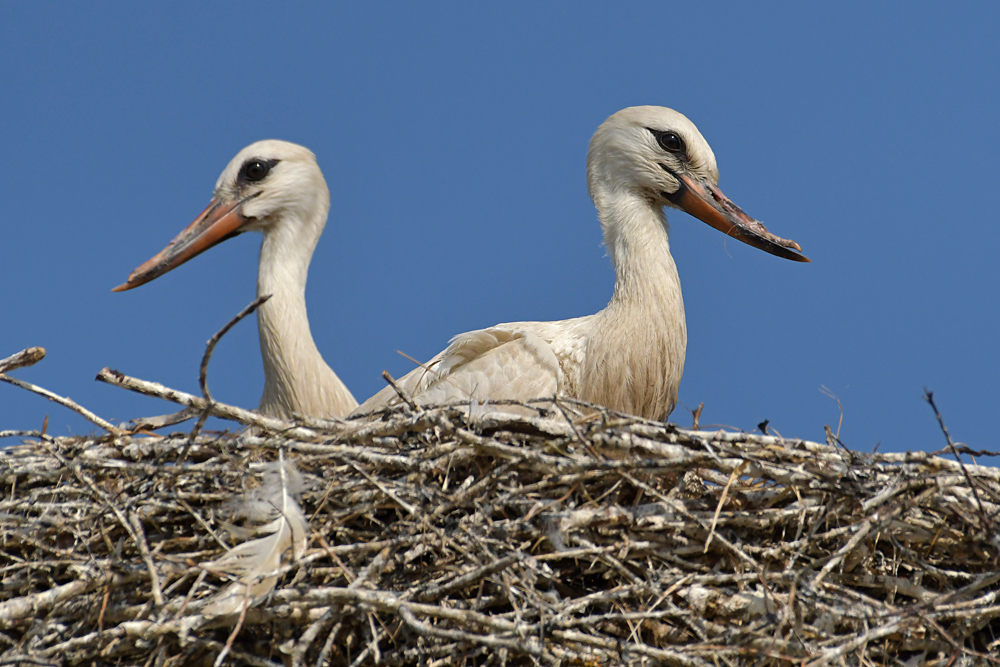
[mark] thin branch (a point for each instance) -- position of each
(235, 632)
(929, 397)
(737, 471)
(469, 577)
(65, 402)
(246, 417)
(387, 491)
(696, 416)
(26, 357)
(140, 539)
(203, 369)
(161, 421)
(392, 383)
(24, 434)
(840, 422)
(425, 630)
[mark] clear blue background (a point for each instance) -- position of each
(454, 138)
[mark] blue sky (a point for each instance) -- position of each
(454, 139)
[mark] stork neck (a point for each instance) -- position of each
(635, 351)
(284, 264)
(636, 236)
(296, 378)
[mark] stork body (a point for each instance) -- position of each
(630, 356)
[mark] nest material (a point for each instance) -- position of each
(573, 538)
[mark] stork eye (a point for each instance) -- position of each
(255, 170)
(669, 141)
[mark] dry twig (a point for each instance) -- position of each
(209, 348)
(61, 400)
(453, 540)
(26, 357)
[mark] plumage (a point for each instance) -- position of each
(629, 356)
(282, 536)
(273, 187)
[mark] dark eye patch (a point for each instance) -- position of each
(255, 169)
(670, 141)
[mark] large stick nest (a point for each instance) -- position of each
(578, 537)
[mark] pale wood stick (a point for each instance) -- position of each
(39, 603)
(26, 357)
(36, 604)
(470, 577)
(722, 501)
(65, 402)
(161, 421)
(392, 383)
(24, 434)
(390, 602)
(249, 417)
(140, 541)
(863, 529)
(425, 630)
(384, 489)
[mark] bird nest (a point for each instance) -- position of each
(574, 537)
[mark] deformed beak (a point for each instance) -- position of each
(706, 202)
(215, 224)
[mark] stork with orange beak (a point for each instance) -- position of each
(276, 188)
(630, 356)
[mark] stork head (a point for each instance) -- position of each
(268, 186)
(660, 155)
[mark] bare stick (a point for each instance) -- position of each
(470, 577)
(425, 630)
(39, 603)
(392, 383)
(824, 390)
(418, 363)
(696, 416)
(389, 602)
(24, 434)
(308, 637)
(26, 357)
(65, 402)
(232, 635)
(160, 421)
(381, 487)
(929, 397)
(864, 528)
(140, 540)
(737, 471)
(203, 369)
(21, 659)
(248, 417)
(576, 431)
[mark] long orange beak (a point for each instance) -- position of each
(215, 224)
(706, 202)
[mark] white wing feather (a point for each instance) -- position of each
(493, 364)
(256, 562)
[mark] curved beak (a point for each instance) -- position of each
(215, 224)
(706, 202)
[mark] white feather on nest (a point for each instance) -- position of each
(255, 563)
